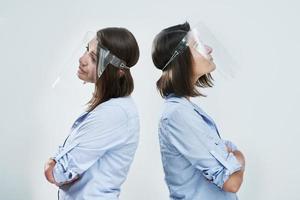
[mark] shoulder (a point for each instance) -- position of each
(115, 109)
(174, 110)
(181, 114)
(106, 117)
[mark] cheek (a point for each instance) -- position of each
(90, 73)
(202, 64)
(92, 70)
(207, 65)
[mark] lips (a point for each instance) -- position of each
(81, 71)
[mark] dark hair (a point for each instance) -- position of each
(113, 84)
(176, 77)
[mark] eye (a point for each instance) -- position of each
(87, 48)
(92, 57)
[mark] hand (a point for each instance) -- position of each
(231, 147)
(48, 169)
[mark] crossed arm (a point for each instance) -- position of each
(232, 184)
(48, 172)
(235, 180)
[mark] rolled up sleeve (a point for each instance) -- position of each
(192, 137)
(231, 145)
(100, 131)
(62, 171)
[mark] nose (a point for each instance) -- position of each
(82, 61)
(208, 49)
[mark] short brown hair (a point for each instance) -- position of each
(111, 84)
(176, 77)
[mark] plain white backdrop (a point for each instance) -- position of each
(257, 108)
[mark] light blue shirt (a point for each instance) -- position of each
(99, 150)
(195, 159)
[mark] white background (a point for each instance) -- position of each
(257, 108)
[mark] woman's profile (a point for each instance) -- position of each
(95, 158)
(198, 164)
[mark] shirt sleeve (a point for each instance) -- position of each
(189, 134)
(231, 145)
(102, 130)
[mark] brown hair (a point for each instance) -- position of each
(176, 77)
(113, 84)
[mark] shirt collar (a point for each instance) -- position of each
(183, 100)
(173, 98)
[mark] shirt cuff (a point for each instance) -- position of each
(234, 163)
(220, 174)
(61, 175)
(62, 172)
(231, 145)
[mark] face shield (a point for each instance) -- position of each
(202, 40)
(66, 76)
(89, 42)
(66, 97)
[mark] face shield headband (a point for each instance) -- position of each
(106, 58)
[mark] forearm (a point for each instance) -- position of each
(240, 157)
(234, 182)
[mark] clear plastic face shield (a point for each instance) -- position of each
(205, 43)
(87, 48)
(68, 68)
(66, 97)
(81, 61)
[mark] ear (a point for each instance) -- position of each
(121, 72)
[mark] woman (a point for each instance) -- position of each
(95, 158)
(197, 163)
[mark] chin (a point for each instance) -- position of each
(213, 67)
(81, 78)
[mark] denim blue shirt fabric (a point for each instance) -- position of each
(98, 151)
(195, 159)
